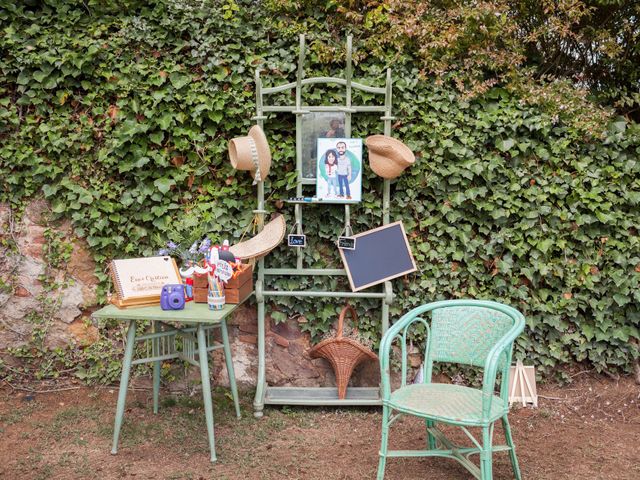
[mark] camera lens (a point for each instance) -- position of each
(176, 300)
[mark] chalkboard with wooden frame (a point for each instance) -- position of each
(381, 254)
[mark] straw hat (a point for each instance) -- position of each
(251, 153)
(388, 156)
(265, 241)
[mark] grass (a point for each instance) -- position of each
(65, 436)
(72, 431)
(16, 415)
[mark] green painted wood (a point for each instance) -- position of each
(322, 293)
(192, 313)
(349, 71)
(323, 80)
(321, 202)
(156, 369)
(124, 383)
(230, 370)
(472, 332)
(327, 396)
(324, 108)
(312, 396)
(164, 341)
(304, 271)
(203, 358)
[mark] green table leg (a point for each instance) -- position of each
(203, 359)
(229, 361)
(156, 369)
(124, 382)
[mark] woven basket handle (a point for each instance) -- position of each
(354, 318)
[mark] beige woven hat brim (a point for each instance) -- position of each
(242, 150)
(269, 238)
(388, 156)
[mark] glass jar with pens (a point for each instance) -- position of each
(216, 298)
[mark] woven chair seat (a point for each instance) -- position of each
(446, 403)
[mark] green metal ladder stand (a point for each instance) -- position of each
(297, 395)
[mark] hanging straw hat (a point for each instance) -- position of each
(388, 156)
(265, 241)
(251, 153)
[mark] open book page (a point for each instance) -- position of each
(144, 277)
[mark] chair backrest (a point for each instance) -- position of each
(466, 334)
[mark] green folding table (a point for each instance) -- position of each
(194, 327)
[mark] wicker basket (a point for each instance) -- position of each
(344, 354)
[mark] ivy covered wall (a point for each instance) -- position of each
(119, 114)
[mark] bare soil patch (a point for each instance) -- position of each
(589, 429)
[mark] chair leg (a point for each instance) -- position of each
(512, 452)
(486, 467)
(229, 362)
(431, 440)
(383, 442)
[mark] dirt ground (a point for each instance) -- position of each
(589, 429)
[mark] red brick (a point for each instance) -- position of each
(248, 328)
(22, 292)
(283, 342)
(253, 339)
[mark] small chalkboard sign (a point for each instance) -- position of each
(380, 255)
(348, 243)
(294, 240)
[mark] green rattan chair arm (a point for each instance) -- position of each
(387, 341)
(504, 346)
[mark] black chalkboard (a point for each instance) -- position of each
(294, 240)
(380, 255)
(348, 243)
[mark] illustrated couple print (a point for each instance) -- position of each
(339, 174)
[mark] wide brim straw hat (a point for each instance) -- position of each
(269, 238)
(388, 156)
(251, 153)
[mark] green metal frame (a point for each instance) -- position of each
(162, 344)
(314, 396)
(497, 359)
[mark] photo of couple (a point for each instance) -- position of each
(339, 169)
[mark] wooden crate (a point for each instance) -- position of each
(244, 275)
(237, 295)
(201, 281)
(200, 294)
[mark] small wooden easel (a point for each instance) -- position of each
(522, 385)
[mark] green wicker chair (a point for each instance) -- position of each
(471, 332)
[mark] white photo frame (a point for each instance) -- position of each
(339, 170)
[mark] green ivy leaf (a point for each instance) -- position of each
(164, 184)
(504, 145)
(179, 80)
(157, 137)
(39, 76)
(50, 190)
(165, 120)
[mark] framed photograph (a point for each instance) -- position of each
(339, 170)
(317, 125)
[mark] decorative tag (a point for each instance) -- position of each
(347, 243)
(294, 240)
(224, 270)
